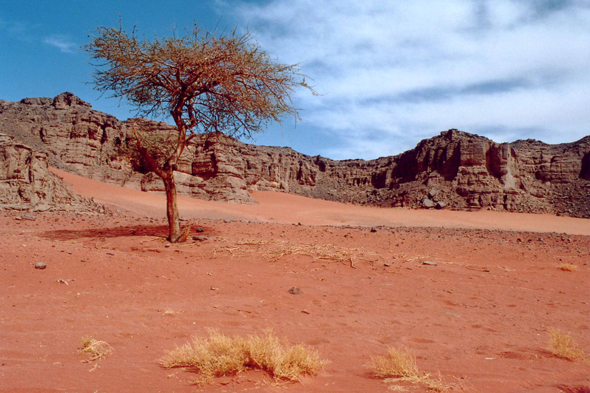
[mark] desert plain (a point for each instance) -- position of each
(476, 314)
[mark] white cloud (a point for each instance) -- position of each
(506, 68)
(63, 43)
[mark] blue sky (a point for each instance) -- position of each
(390, 73)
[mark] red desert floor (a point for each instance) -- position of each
(479, 317)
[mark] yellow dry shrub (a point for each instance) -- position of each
(95, 349)
(220, 355)
(568, 267)
(399, 365)
(563, 345)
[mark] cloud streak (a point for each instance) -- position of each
(61, 42)
(505, 68)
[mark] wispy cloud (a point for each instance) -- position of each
(61, 42)
(504, 68)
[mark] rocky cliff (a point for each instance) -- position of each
(26, 183)
(455, 169)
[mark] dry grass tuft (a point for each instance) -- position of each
(95, 349)
(171, 312)
(273, 250)
(400, 366)
(563, 345)
(220, 355)
(568, 267)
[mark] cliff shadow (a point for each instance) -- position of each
(585, 171)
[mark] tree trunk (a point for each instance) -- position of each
(171, 205)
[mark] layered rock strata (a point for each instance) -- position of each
(453, 170)
(26, 183)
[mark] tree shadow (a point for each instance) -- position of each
(124, 231)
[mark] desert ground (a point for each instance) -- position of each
(479, 316)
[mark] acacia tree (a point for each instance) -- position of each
(205, 82)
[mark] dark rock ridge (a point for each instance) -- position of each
(454, 170)
(26, 183)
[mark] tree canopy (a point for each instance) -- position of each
(205, 82)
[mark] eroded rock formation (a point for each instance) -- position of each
(455, 169)
(26, 183)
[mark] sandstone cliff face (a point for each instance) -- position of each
(455, 170)
(27, 184)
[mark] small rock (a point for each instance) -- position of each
(373, 229)
(387, 264)
(28, 217)
(440, 205)
(40, 265)
(228, 221)
(295, 291)
(429, 263)
(428, 203)
(200, 229)
(200, 238)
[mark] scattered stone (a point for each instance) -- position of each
(429, 263)
(440, 205)
(373, 230)
(428, 203)
(387, 264)
(40, 265)
(200, 229)
(28, 217)
(451, 313)
(200, 238)
(228, 221)
(295, 291)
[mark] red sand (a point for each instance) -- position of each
(479, 317)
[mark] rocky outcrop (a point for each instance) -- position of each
(453, 170)
(26, 183)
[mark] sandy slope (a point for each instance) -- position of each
(479, 317)
(286, 208)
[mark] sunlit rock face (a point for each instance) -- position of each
(26, 183)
